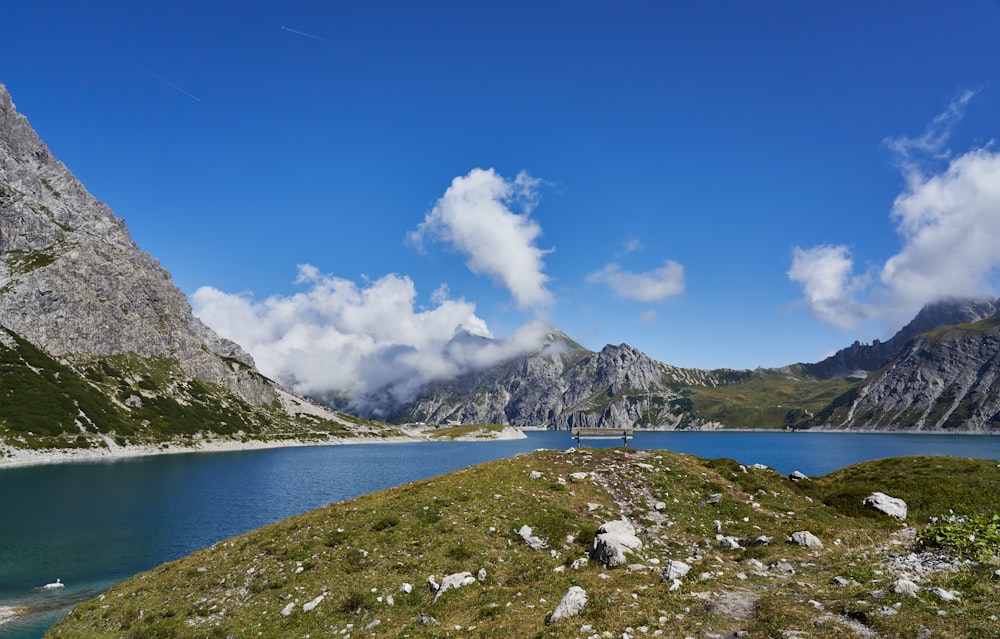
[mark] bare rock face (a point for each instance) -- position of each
(561, 385)
(72, 281)
(945, 380)
(860, 359)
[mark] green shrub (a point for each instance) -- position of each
(971, 537)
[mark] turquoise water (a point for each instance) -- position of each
(92, 524)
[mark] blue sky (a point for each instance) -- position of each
(719, 184)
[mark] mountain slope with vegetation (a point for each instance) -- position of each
(98, 347)
(713, 549)
(562, 385)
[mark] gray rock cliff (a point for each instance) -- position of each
(560, 385)
(859, 359)
(72, 281)
(944, 380)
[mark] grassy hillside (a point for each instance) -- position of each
(767, 399)
(343, 570)
(126, 399)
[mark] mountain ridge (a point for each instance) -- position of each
(865, 358)
(621, 386)
(108, 316)
(99, 348)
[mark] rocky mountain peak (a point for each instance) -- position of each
(860, 359)
(72, 281)
(948, 312)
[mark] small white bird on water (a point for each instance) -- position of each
(56, 584)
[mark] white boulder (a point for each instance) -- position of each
(614, 541)
(892, 506)
(905, 587)
(807, 539)
(571, 604)
(535, 543)
(312, 604)
(944, 595)
(455, 580)
(674, 570)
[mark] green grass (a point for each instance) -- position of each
(51, 189)
(42, 399)
(981, 326)
(770, 399)
(46, 403)
(358, 553)
(21, 262)
(931, 486)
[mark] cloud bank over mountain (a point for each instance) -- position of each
(343, 341)
(339, 340)
(948, 222)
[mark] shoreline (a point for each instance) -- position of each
(20, 457)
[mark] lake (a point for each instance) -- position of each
(92, 524)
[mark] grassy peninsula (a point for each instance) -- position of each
(366, 567)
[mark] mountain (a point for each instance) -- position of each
(98, 346)
(943, 380)
(562, 384)
(859, 359)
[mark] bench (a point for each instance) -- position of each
(623, 433)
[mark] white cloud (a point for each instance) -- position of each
(950, 225)
(651, 286)
(474, 217)
(825, 274)
(339, 339)
(647, 317)
(631, 246)
(948, 222)
(913, 154)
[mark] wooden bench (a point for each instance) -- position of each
(582, 432)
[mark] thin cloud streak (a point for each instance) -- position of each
(166, 82)
(306, 35)
(650, 286)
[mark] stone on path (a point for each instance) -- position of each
(615, 540)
